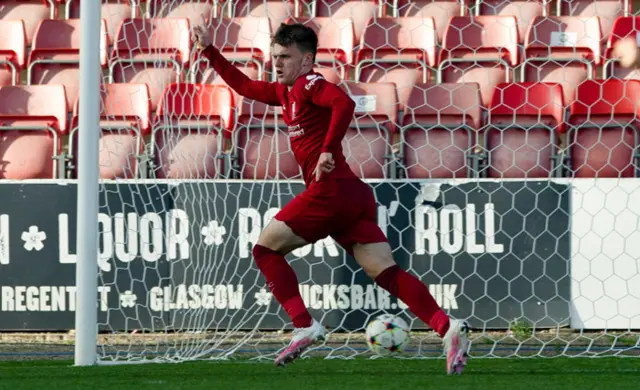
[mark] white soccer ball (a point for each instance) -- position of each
(387, 334)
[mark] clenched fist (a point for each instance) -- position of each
(200, 35)
(627, 52)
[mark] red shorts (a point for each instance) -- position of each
(343, 209)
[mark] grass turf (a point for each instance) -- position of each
(530, 374)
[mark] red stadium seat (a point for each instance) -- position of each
(113, 12)
(12, 51)
(190, 124)
(125, 118)
(263, 150)
(438, 130)
(359, 11)
(367, 143)
(32, 120)
(243, 41)
(335, 45)
(606, 10)
(625, 27)
(603, 134)
(562, 49)
(31, 12)
(55, 55)
(398, 51)
(194, 11)
(480, 49)
(277, 11)
(523, 122)
(152, 52)
(440, 10)
(524, 11)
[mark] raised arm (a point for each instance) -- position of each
(268, 93)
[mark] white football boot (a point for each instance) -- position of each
(302, 339)
(456, 346)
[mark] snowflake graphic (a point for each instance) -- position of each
(128, 299)
(263, 298)
(33, 239)
(213, 233)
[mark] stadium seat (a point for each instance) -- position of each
(479, 49)
(603, 133)
(397, 50)
(335, 45)
(12, 51)
(125, 118)
(359, 11)
(277, 11)
(194, 11)
(520, 139)
(367, 143)
(31, 12)
(55, 55)
(624, 27)
(187, 134)
(32, 120)
(152, 52)
(440, 10)
(113, 12)
(606, 10)
(562, 49)
(523, 10)
(245, 42)
(438, 129)
(263, 150)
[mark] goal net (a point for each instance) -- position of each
(500, 140)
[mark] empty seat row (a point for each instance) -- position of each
(201, 131)
(481, 49)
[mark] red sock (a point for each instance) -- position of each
(415, 294)
(283, 283)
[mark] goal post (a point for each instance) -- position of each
(86, 324)
(514, 204)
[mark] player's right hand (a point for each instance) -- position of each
(200, 35)
(627, 52)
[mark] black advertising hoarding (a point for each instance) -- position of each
(178, 255)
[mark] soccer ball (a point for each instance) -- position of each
(387, 334)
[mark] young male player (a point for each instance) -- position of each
(335, 202)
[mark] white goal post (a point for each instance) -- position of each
(515, 199)
(88, 186)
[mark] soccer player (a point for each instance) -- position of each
(335, 202)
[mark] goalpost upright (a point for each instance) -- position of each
(87, 213)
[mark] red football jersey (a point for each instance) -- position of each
(316, 112)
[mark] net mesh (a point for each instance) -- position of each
(499, 137)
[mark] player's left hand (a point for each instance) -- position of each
(325, 164)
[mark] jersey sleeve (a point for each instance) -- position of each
(262, 91)
(325, 94)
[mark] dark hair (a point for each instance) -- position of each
(297, 34)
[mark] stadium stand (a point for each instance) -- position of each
(33, 119)
(186, 137)
(125, 119)
(603, 129)
(13, 50)
(55, 55)
(431, 59)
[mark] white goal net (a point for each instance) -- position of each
(500, 140)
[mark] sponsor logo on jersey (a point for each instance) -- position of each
(312, 80)
(295, 131)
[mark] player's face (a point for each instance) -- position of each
(290, 63)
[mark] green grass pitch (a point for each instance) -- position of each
(314, 373)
